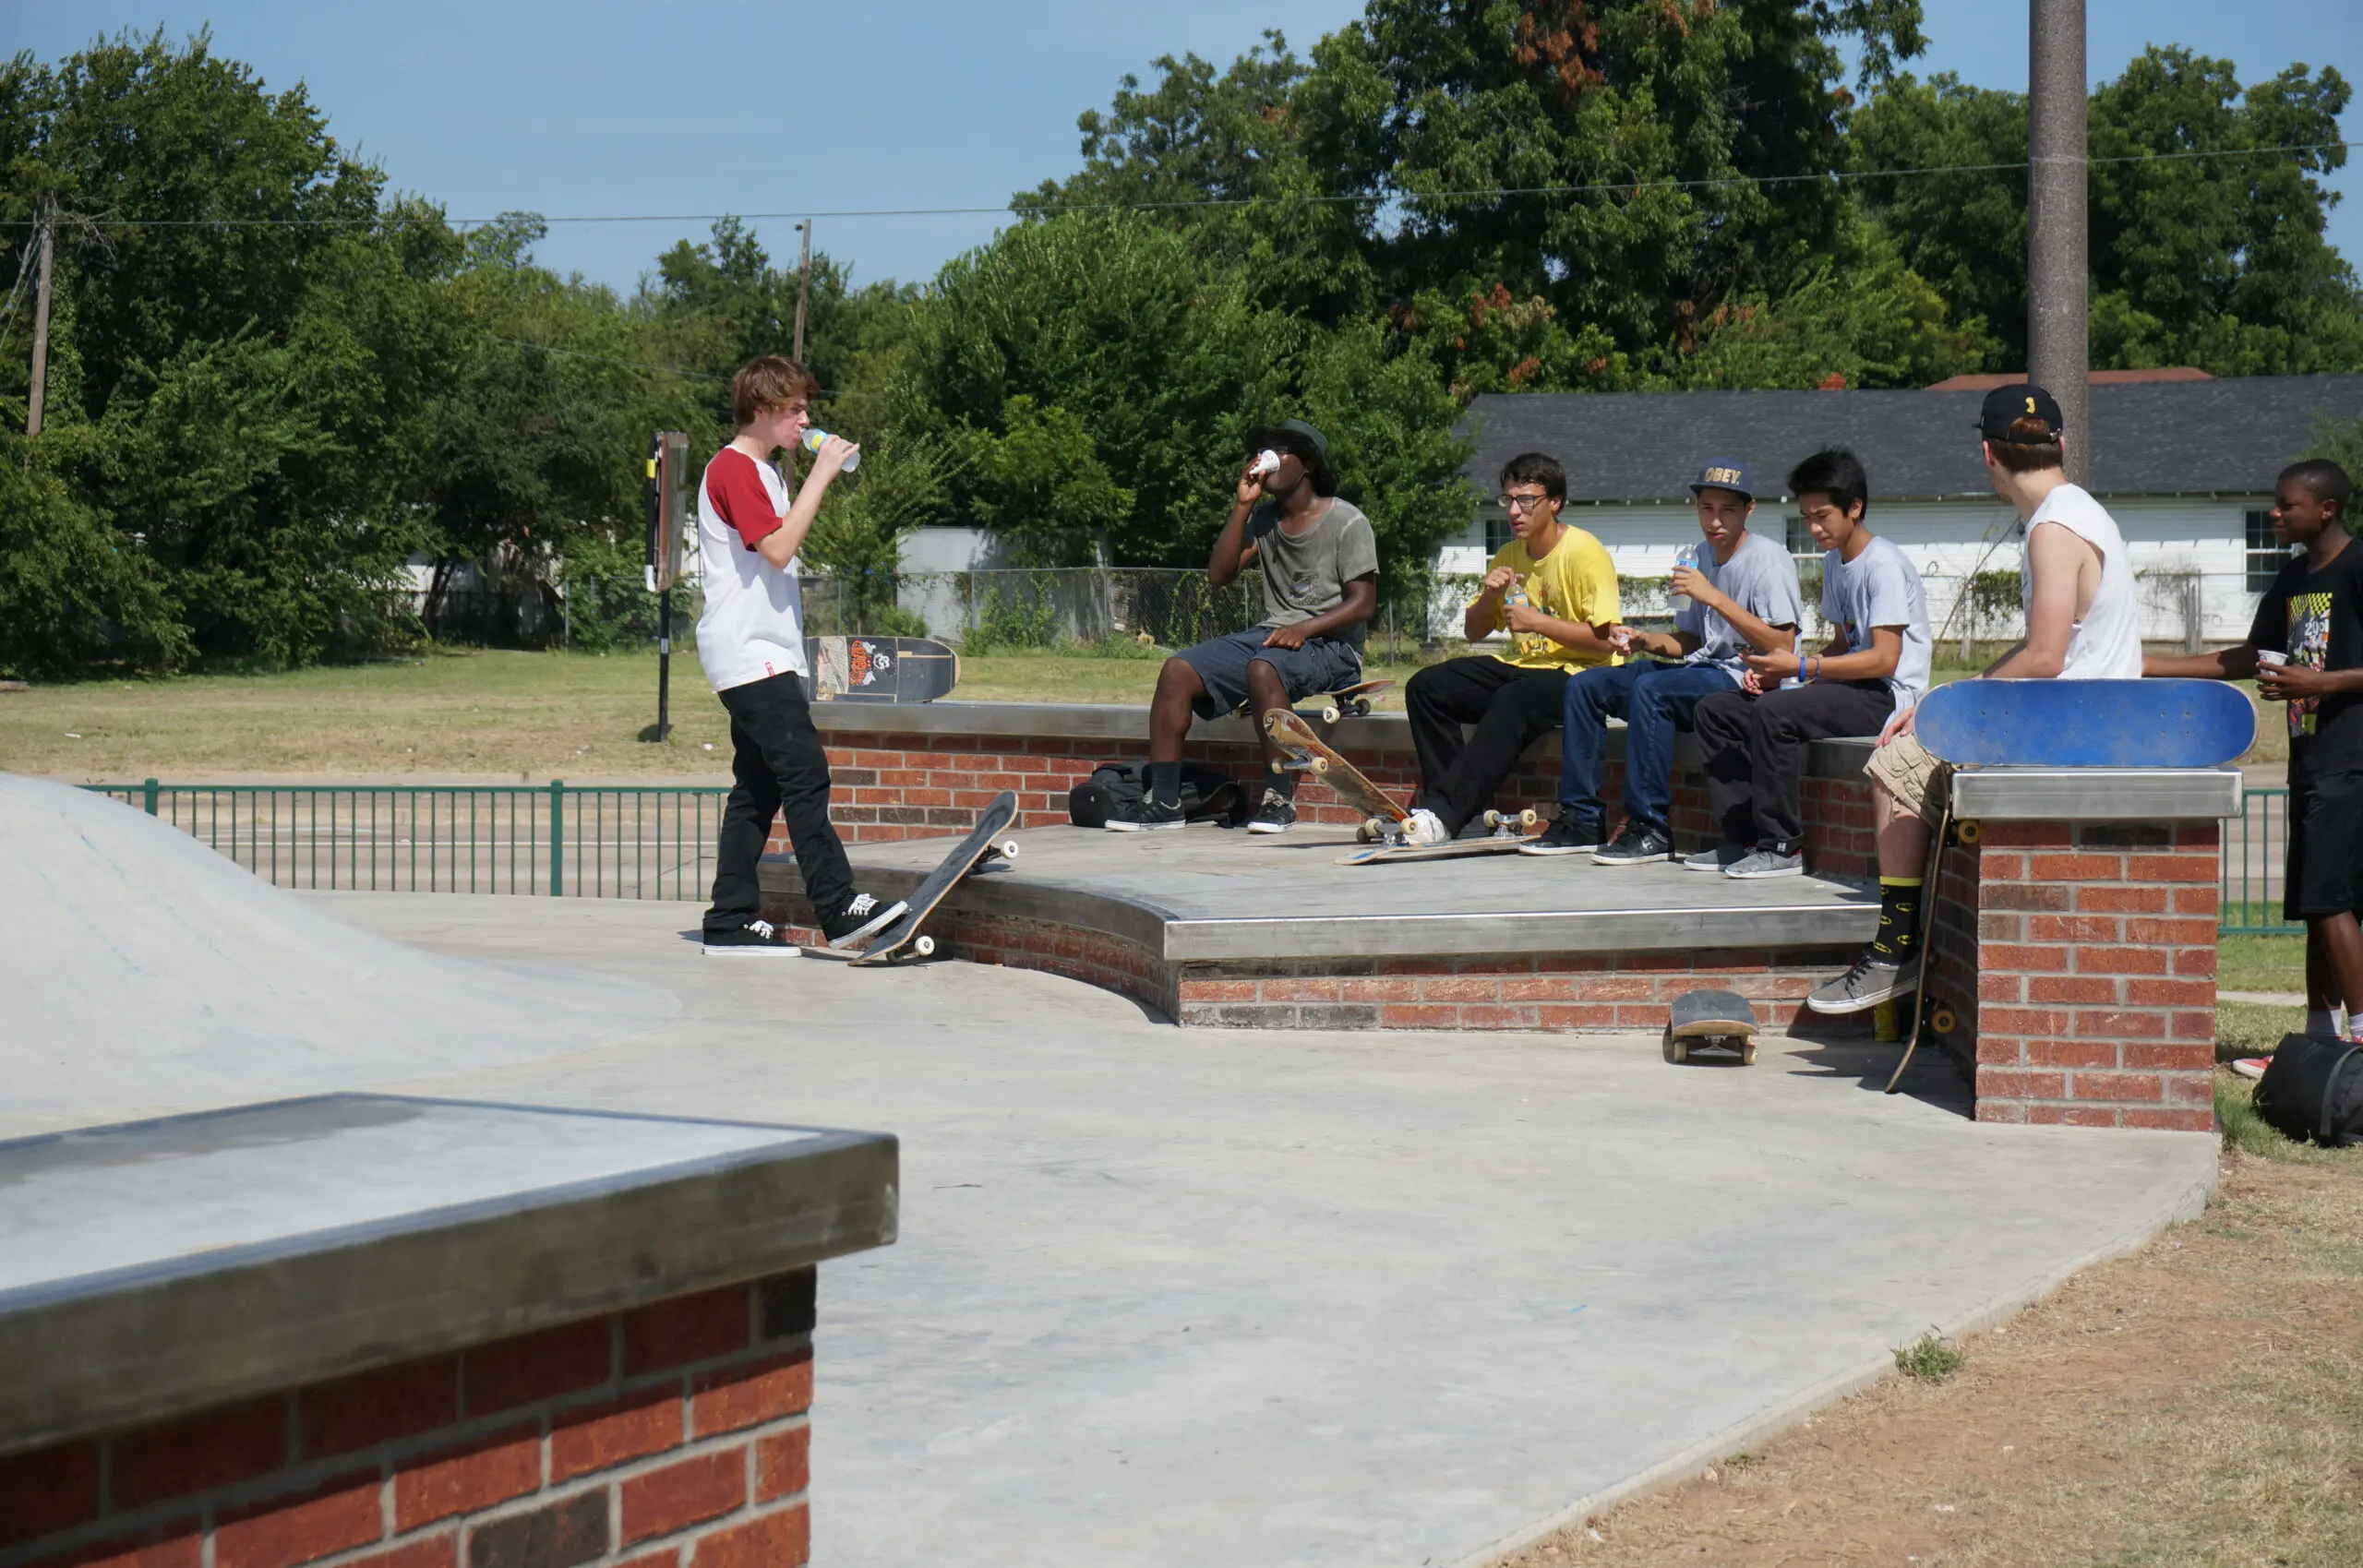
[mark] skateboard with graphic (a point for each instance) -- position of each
(1506, 831)
(1383, 815)
(2086, 723)
(880, 669)
(903, 938)
(1346, 701)
(1722, 1019)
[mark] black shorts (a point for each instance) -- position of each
(1324, 663)
(2325, 875)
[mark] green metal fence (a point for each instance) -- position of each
(2256, 847)
(557, 840)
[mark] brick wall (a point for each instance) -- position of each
(671, 1436)
(895, 787)
(2080, 962)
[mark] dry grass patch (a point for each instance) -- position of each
(2199, 1402)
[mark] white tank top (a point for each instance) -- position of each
(2106, 644)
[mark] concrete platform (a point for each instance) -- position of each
(1202, 1297)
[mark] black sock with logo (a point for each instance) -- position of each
(1898, 934)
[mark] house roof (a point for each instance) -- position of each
(2229, 436)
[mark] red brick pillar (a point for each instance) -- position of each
(2092, 949)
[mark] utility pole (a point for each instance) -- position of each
(40, 319)
(2059, 336)
(804, 285)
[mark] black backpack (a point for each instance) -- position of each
(1115, 789)
(2313, 1088)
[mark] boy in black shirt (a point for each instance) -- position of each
(2306, 649)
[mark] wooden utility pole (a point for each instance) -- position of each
(40, 319)
(2059, 342)
(803, 290)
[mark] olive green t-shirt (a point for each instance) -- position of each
(1305, 574)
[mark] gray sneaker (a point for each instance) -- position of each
(1766, 863)
(1874, 979)
(1722, 858)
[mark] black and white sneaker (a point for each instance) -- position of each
(1637, 845)
(1150, 816)
(1563, 836)
(865, 917)
(755, 936)
(1276, 815)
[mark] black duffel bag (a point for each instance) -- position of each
(2312, 1088)
(1115, 789)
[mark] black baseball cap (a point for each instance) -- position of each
(2021, 399)
(1296, 436)
(1725, 473)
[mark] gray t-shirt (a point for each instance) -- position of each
(1880, 587)
(1760, 577)
(1305, 574)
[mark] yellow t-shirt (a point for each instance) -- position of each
(1575, 581)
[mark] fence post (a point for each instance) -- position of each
(149, 790)
(558, 838)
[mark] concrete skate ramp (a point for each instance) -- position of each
(142, 970)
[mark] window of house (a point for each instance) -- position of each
(1800, 537)
(2267, 554)
(1497, 532)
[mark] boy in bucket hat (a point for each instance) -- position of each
(1737, 594)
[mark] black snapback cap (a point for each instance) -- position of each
(2024, 399)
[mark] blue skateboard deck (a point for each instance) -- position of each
(2086, 723)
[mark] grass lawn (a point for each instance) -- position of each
(469, 712)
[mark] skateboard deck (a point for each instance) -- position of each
(1711, 1018)
(1926, 1014)
(1508, 833)
(880, 669)
(2086, 723)
(1307, 752)
(1346, 700)
(890, 945)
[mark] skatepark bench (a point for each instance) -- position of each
(459, 1332)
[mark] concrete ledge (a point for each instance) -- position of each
(158, 1267)
(2096, 795)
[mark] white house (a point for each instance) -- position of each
(2185, 466)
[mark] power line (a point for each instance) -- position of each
(1605, 187)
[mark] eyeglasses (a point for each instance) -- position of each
(1519, 503)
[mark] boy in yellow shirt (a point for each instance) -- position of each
(1552, 588)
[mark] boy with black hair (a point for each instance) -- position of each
(1320, 565)
(751, 641)
(1737, 594)
(2083, 623)
(1551, 588)
(2306, 649)
(1874, 666)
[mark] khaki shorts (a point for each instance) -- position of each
(1913, 777)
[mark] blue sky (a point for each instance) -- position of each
(597, 107)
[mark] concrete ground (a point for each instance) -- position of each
(1221, 1297)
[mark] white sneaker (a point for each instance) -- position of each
(1423, 827)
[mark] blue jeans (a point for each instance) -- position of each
(1654, 700)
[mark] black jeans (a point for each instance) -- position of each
(1512, 708)
(1755, 751)
(778, 766)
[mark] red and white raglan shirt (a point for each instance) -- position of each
(753, 625)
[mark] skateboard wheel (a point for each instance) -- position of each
(1370, 830)
(923, 946)
(1362, 707)
(1330, 715)
(1320, 765)
(1942, 1021)
(1748, 1053)
(1530, 818)
(1493, 818)
(1279, 769)
(1006, 849)
(1679, 1049)
(1966, 832)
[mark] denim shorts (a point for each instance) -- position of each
(1324, 663)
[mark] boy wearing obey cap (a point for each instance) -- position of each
(2083, 624)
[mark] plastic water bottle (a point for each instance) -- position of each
(811, 443)
(1685, 557)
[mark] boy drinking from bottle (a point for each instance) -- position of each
(750, 639)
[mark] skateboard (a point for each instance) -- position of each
(1723, 1019)
(1308, 753)
(880, 669)
(1926, 1014)
(2086, 723)
(889, 945)
(1507, 830)
(1335, 705)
